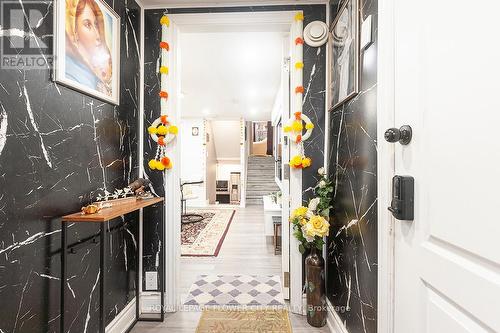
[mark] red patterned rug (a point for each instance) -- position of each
(205, 238)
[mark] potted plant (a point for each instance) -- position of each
(310, 225)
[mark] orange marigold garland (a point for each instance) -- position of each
(161, 130)
(294, 127)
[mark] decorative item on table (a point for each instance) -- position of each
(344, 55)
(91, 209)
(161, 130)
(310, 225)
(136, 188)
(139, 188)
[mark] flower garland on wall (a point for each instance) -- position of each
(161, 130)
(294, 126)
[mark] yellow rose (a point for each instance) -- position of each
(317, 226)
(301, 211)
(303, 221)
(287, 129)
(306, 162)
(297, 126)
(152, 130)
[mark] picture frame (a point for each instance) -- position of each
(344, 54)
(87, 48)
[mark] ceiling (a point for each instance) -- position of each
(230, 74)
(223, 3)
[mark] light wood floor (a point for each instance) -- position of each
(244, 251)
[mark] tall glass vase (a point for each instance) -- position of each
(315, 289)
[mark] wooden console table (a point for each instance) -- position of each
(119, 207)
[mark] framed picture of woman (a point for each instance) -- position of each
(87, 48)
(344, 54)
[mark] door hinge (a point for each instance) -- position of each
(286, 279)
(286, 171)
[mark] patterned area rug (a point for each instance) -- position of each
(239, 291)
(248, 321)
(205, 238)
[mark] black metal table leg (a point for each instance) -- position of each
(102, 280)
(64, 252)
(138, 268)
(162, 266)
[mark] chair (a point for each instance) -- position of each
(187, 194)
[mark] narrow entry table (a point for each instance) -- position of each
(119, 207)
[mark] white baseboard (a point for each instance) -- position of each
(333, 320)
(123, 320)
(150, 303)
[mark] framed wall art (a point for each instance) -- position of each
(87, 48)
(344, 54)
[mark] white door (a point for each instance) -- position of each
(447, 71)
(285, 175)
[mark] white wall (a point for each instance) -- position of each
(211, 166)
(193, 158)
(227, 135)
(225, 168)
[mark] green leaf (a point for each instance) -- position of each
(302, 250)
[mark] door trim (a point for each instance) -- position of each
(280, 21)
(385, 165)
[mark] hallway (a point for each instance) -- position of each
(244, 251)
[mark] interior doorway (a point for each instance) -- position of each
(222, 108)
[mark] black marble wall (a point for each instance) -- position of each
(56, 147)
(314, 102)
(352, 245)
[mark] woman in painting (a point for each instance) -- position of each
(88, 60)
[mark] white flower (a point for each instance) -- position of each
(309, 239)
(313, 204)
(321, 171)
(322, 183)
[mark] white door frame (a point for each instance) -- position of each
(385, 165)
(263, 21)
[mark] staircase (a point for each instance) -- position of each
(260, 179)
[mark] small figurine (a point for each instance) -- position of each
(90, 209)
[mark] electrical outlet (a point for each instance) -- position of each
(151, 280)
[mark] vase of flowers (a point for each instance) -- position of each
(310, 225)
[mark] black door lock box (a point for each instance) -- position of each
(402, 198)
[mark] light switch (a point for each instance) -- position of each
(151, 280)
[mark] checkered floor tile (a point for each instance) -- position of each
(236, 290)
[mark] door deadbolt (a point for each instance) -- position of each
(403, 135)
(403, 192)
